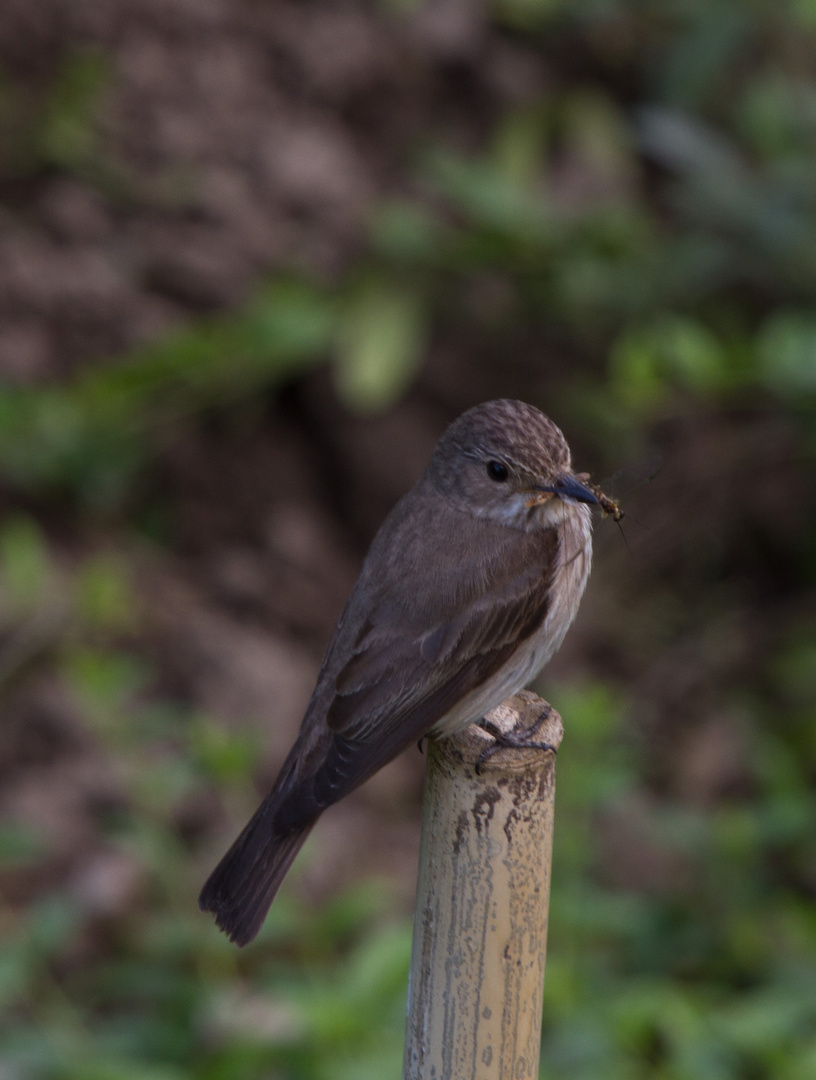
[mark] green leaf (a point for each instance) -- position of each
(104, 595)
(24, 562)
(379, 348)
(672, 351)
(786, 353)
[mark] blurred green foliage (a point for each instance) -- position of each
(706, 289)
(681, 268)
(56, 128)
(92, 437)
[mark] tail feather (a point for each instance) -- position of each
(242, 887)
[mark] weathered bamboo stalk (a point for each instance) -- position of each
(480, 924)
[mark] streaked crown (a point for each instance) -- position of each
(511, 431)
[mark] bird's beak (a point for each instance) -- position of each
(567, 487)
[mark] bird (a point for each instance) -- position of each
(467, 590)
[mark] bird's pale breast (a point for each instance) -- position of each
(574, 558)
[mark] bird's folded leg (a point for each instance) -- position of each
(513, 740)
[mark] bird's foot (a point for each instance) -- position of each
(514, 740)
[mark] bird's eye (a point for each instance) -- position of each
(497, 471)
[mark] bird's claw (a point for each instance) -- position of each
(513, 740)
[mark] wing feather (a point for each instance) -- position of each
(413, 659)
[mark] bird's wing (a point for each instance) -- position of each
(402, 678)
(396, 678)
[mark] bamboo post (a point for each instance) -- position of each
(480, 923)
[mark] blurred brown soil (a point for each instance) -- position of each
(238, 137)
(231, 138)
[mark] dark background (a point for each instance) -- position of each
(254, 255)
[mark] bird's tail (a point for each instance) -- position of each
(242, 887)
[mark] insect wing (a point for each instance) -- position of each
(631, 477)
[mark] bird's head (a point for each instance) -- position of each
(507, 460)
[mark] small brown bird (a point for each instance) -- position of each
(468, 589)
